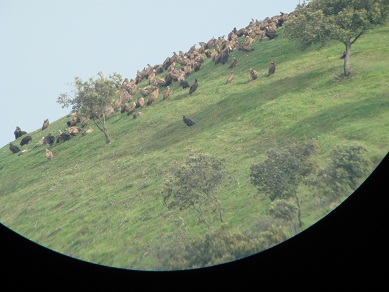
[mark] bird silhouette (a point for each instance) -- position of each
(187, 121)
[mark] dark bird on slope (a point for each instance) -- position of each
(343, 55)
(230, 77)
(13, 148)
(224, 57)
(187, 121)
(254, 74)
(18, 132)
(271, 34)
(49, 139)
(25, 140)
(183, 82)
(272, 68)
(193, 87)
(61, 137)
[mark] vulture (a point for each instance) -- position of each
(138, 114)
(151, 76)
(45, 124)
(168, 79)
(253, 74)
(187, 121)
(224, 56)
(197, 66)
(25, 140)
(271, 34)
(23, 151)
(144, 91)
(272, 68)
(233, 62)
(183, 83)
(90, 130)
(140, 102)
(49, 154)
(18, 133)
(131, 109)
(153, 96)
(167, 93)
(40, 142)
(13, 148)
(193, 87)
(61, 137)
(230, 77)
(49, 139)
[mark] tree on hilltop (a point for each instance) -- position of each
(320, 21)
(93, 99)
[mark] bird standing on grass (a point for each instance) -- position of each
(13, 148)
(254, 74)
(272, 68)
(49, 154)
(187, 121)
(193, 87)
(230, 77)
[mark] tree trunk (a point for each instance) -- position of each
(347, 70)
(298, 211)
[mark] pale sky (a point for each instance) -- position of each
(46, 43)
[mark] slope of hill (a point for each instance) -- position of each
(102, 203)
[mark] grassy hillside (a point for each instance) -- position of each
(102, 203)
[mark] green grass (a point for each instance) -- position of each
(102, 203)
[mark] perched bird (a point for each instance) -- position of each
(13, 148)
(18, 132)
(168, 92)
(343, 55)
(23, 151)
(90, 130)
(25, 140)
(230, 77)
(61, 137)
(272, 68)
(233, 62)
(193, 87)
(137, 115)
(40, 142)
(183, 83)
(254, 74)
(49, 154)
(187, 121)
(45, 124)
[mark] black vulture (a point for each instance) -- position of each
(187, 121)
(184, 83)
(25, 140)
(13, 148)
(224, 57)
(49, 139)
(272, 68)
(193, 87)
(18, 133)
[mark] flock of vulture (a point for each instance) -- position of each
(218, 50)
